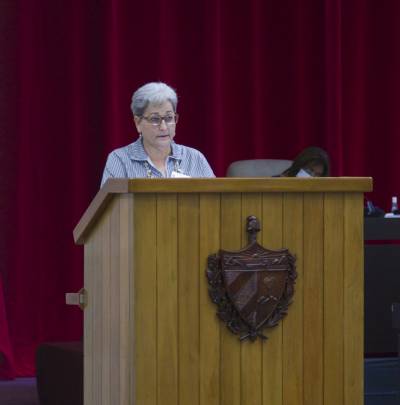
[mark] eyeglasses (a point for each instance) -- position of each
(156, 119)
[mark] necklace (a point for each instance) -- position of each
(149, 173)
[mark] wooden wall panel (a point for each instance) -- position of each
(188, 299)
(251, 353)
(167, 302)
(353, 300)
(292, 356)
(313, 284)
(209, 324)
(231, 237)
(145, 311)
(272, 238)
(333, 299)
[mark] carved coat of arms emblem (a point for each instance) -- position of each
(252, 287)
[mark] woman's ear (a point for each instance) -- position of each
(137, 123)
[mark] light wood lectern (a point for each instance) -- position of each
(152, 336)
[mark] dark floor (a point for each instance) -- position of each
(382, 385)
(21, 391)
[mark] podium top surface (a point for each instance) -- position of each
(215, 185)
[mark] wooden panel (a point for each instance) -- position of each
(106, 304)
(231, 233)
(248, 185)
(209, 324)
(126, 289)
(97, 293)
(145, 312)
(292, 360)
(353, 300)
(313, 273)
(90, 251)
(167, 310)
(251, 353)
(188, 298)
(115, 306)
(272, 223)
(222, 185)
(333, 300)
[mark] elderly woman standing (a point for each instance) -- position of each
(155, 154)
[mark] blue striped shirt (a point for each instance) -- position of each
(132, 161)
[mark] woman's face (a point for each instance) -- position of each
(157, 134)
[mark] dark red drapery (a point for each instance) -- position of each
(256, 79)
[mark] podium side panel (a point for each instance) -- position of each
(313, 279)
(88, 356)
(209, 324)
(333, 299)
(251, 353)
(272, 238)
(167, 299)
(100, 385)
(97, 293)
(231, 237)
(145, 307)
(188, 298)
(106, 306)
(353, 300)
(115, 305)
(293, 322)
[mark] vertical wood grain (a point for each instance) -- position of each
(293, 323)
(272, 238)
(333, 299)
(88, 340)
(114, 287)
(313, 276)
(251, 353)
(97, 292)
(231, 236)
(167, 290)
(145, 312)
(353, 300)
(106, 304)
(188, 298)
(126, 290)
(209, 324)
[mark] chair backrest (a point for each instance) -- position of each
(258, 167)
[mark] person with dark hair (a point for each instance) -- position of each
(311, 162)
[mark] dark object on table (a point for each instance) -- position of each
(370, 210)
(59, 373)
(382, 284)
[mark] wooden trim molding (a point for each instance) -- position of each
(214, 185)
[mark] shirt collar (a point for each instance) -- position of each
(136, 151)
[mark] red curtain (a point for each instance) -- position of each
(256, 79)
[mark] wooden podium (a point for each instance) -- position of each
(152, 336)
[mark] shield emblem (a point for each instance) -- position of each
(252, 287)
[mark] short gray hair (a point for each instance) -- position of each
(152, 93)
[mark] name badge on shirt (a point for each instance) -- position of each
(177, 174)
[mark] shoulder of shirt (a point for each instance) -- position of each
(188, 150)
(133, 151)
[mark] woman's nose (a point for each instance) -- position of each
(163, 125)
